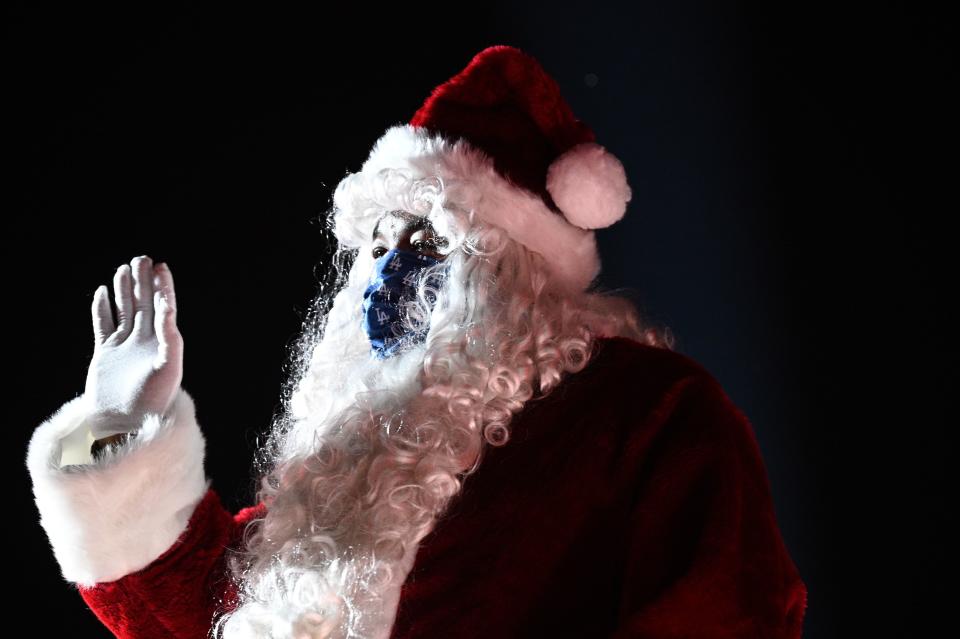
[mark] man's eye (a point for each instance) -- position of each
(431, 243)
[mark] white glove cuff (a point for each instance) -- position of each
(108, 517)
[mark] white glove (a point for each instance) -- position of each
(137, 363)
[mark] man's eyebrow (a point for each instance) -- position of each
(418, 223)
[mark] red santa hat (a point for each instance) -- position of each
(502, 125)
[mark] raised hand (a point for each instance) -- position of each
(137, 363)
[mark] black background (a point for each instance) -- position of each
(790, 222)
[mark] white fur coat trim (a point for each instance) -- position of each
(571, 251)
(115, 515)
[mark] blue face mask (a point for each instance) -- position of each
(395, 275)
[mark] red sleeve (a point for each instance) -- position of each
(706, 558)
(176, 595)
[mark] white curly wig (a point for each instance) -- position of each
(367, 453)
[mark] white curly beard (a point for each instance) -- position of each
(343, 582)
(346, 589)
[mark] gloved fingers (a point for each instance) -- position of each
(123, 295)
(142, 295)
(103, 325)
(163, 283)
(165, 308)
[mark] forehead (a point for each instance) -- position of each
(393, 223)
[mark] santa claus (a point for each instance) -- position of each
(475, 441)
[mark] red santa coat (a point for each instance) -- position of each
(631, 502)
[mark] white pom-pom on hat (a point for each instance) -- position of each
(589, 184)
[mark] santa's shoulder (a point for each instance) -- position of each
(629, 364)
(653, 392)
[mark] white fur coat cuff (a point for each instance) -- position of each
(114, 515)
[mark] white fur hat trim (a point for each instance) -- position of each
(569, 250)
